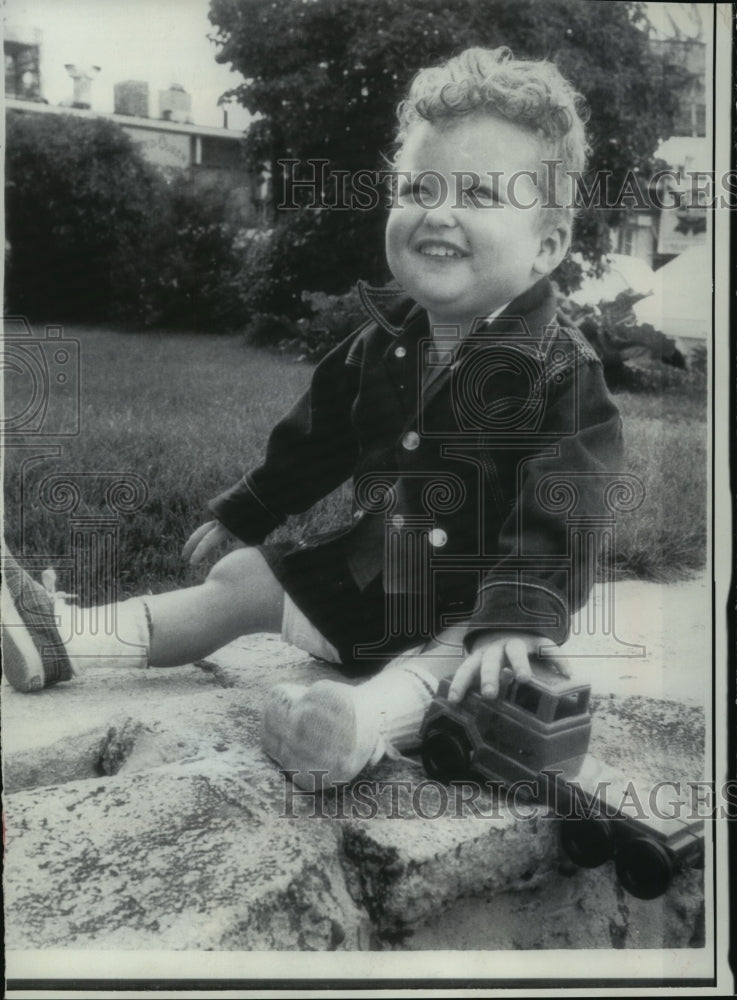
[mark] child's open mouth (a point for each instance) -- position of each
(437, 248)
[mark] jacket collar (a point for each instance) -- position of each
(537, 306)
(391, 308)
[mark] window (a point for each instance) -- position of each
(21, 71)
(571, 704)
(527, 697)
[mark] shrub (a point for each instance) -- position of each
(634, 355)
(270, 330)
(79, 203)
(193, 275)
(96, 233)
(699, 360)
(662, 378)
(313, 249)
(333, 318)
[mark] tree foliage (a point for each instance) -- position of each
(325, 77)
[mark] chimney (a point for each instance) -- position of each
(175, 104)
(83, 77)
(131, 98)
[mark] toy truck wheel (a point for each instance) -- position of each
(588, 842)
(446, 754)
(644, 868)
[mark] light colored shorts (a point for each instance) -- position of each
(298, 630)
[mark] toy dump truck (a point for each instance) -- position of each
(537, 733)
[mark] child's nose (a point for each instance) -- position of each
(441, 214)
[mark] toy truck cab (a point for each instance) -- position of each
(538, 731)
(533, 725)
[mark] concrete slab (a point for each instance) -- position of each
(142, 813)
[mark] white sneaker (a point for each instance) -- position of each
(34, 656)
(320, 729)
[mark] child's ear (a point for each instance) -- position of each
(554, 245)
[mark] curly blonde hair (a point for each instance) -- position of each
(530, 93)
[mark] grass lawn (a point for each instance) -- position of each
(190, 413)
(666, 446)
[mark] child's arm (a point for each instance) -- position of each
(535, 583)
(310, 452)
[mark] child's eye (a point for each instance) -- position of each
(479, 195)
(418, 191)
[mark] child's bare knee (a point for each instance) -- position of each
(256, 598)
(238, 567)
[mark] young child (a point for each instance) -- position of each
(451, 407)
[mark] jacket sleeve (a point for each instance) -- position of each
(310, 452)
(539, 577)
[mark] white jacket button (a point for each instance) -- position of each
(438, 538)
(400, 352)
(411, 440)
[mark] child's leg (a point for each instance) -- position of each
(48, 640)
(239, 596)
(338, 728)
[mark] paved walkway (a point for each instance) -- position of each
(660, 635)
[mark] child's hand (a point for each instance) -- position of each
(205, 540)
(490, 653)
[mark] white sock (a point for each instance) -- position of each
(399, 696)
(114, 635)
(339, 729)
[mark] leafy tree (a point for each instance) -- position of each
(325, 76)
(79, 199)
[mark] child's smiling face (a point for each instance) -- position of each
(473, 252)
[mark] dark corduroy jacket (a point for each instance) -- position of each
(474, 462)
